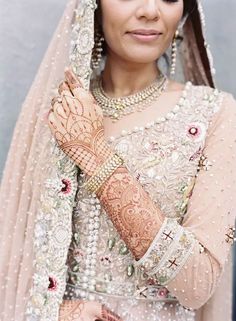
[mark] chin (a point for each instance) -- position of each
(142, 57)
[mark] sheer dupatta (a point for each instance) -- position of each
(39, 183)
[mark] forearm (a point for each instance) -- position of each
(131, 210)
(138, 221)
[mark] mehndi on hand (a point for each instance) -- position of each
(76, 122)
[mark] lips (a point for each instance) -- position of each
(145, 32)
(145, 35)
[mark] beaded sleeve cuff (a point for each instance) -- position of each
(168, 252)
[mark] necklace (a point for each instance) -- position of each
(116, 108)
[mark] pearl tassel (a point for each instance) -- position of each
(174, 54)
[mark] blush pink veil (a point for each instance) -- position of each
(39, 182)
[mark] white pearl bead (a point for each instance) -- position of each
(123, 132)
(85, 278)
(91, 288)
(96, 225)
(92, 273)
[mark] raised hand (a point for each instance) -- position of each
(76, 122)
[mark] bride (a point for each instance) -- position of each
(117, 201)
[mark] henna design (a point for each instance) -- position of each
(76, 122)
(71, 310)
(108, 315)
(131, 210)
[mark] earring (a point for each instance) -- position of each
(174, 53)
(97, 50)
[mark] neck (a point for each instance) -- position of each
(121, 78)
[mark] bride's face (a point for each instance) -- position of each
(140, 30)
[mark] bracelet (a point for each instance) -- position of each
(103, 173)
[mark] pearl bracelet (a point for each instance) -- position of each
(103, 173)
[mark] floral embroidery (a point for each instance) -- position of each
(52, 284)
(204, 163)
(52, 239)
(66, 189)
(230, 235)
(196, 131)
(165, 160)
(163, 292)
(168, 252)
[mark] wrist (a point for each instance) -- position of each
(98, 161)
(103, 173)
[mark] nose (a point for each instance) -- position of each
(149, 9)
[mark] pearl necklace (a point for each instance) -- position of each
(116, 108)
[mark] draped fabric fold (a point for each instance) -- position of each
(30, 157)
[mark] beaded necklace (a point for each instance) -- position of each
(116, 108)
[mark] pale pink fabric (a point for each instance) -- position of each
(211, 212)
(24, 178)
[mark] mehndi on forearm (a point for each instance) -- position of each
(131, 210)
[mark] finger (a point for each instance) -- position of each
(52, 121)
(64, 110)
(55, 123)
(58, 107)
(54, 100)
(72, 79)
(76, 86)
(63, 87)
(60, 111)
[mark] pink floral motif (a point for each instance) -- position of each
(66, 189)
(196, 131)
(162, 292)
(52, 284)
(151, 281)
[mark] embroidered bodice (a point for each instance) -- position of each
(165, 156)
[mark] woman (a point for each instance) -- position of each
(153, 218)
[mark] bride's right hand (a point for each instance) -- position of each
(79, 310)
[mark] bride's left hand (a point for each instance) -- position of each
(76, 122)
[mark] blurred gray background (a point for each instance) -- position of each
(26, 27)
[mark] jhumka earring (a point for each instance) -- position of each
(174, 53)
(97, 50)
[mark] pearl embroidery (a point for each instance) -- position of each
(115, 272)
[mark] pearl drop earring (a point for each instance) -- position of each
(174, 53)
(97, 51)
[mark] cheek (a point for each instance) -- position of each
(171, 20)
(112, 21)
(173, 17)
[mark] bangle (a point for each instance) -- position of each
(103, 173)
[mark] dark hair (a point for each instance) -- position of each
(189, 6)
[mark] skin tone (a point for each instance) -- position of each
(76, 121)
(131, 65)
(131, 61)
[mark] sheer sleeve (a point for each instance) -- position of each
(194, 253)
